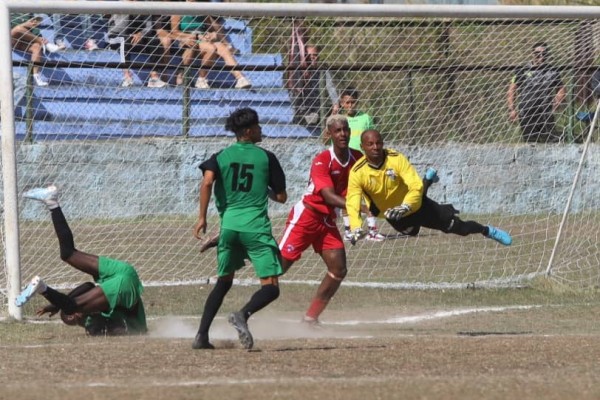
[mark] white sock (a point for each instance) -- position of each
(372, 222)
(346, 222)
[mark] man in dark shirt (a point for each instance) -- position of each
(538, 91)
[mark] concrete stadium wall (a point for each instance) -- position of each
(161, 176)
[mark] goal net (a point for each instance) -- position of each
(119, 112)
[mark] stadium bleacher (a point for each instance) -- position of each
(88, 102)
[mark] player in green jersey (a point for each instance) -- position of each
(111, 307)
(243, 175)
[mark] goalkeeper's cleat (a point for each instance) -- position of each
(374, 236)
(499, 235)
(241, 326)
(431, 175)
(47, 195)
(36, 285)
(201, 342)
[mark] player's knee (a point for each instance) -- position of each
(271, 291)
(66, 253)
(338, 275)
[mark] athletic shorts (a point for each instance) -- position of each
(260, 248)
(120, 283)
(431, 215)
(305, 227)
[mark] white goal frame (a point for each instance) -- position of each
(9, 169)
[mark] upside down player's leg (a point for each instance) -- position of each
(84, 262)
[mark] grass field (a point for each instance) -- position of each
(373, 344)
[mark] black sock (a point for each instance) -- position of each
(60, 300)
(259, 300)
(464, 228)
(212, 305)
(63, 232)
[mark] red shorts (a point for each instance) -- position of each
(305, 227)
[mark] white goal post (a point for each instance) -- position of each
(435, 79)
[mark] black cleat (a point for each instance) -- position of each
(241, 326)
(201, 343)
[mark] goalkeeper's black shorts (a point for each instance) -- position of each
(431, 215)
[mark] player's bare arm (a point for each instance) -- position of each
(332, 198)
(205, 193)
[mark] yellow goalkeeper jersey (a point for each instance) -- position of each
(395, 182)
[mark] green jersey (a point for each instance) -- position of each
(244, 173)
(358, 124)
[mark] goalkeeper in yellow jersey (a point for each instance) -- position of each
(395, 191)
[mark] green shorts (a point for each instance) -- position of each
(120, 283)
(260, 248)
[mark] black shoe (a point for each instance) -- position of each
(201, 343)
(241, 326)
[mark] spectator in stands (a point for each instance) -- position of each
(540, 92)
(203, 36)
(306, 95)
(86, 25)
(132, 34)
(162, 32)
(26, 37)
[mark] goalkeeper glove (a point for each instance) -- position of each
(357, 234)
(395, 213)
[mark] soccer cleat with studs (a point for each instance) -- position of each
(499, 235)
(47, 195)
(201, 342)
(374, 236)
(241, 326)
(35, 286)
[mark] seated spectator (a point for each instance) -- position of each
(162, 32)
(86, 25)
(132, 34)
(26, 37)
(203, 36)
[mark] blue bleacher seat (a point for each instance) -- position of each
(89, 103)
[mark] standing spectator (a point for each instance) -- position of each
(396, 192)
(534, 95)
(133, 34)
(243, 175)
(26, 37)
(203, 36)
(306, 94)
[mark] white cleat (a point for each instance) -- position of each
(36, 285)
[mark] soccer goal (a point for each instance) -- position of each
(121, 125)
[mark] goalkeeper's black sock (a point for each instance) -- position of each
(63, 232)
(265, 295)
(464, 228)
(60, 300)
(212, 305)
